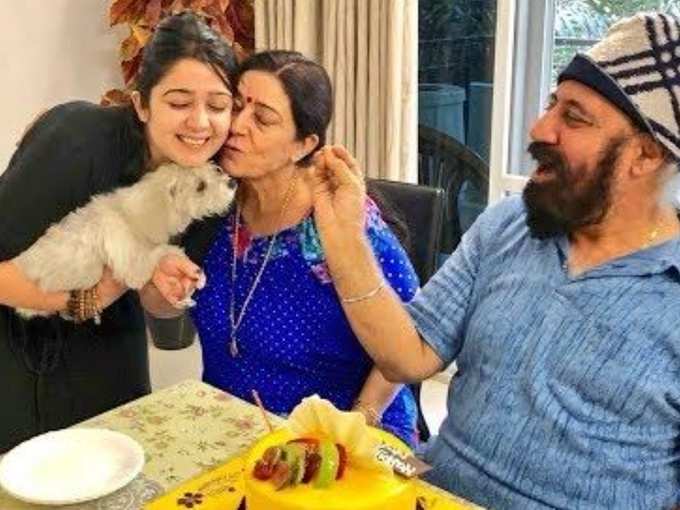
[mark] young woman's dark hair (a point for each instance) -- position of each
(309, 90)
(178, 37)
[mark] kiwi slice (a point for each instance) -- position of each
(295, 456)
(328, 467)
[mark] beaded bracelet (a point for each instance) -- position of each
(83, 304)
(97, 309)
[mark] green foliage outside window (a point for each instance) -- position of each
(580, 23)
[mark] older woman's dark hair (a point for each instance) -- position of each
(307, 86)
(183, 36)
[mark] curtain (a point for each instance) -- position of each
(369, 48)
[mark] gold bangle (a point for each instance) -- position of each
(373, 417)
(368, 295)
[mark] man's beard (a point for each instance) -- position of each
(570, 199)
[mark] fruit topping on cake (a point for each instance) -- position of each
(305, 460)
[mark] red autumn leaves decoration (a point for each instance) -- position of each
(231, 18)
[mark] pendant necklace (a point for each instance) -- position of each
(236, 322)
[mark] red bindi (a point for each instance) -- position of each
(249, 99)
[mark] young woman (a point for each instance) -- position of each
(56, 372)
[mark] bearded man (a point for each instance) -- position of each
(561, 307)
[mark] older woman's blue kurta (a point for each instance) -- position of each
(294, 339)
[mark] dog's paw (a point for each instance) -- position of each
(169, 249)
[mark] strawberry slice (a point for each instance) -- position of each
(312, 463)
(342, 460)
(311, 444)
(305, 440)
(262, 470)
(282, 475)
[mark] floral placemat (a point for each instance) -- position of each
(131, 497)
(186, 429)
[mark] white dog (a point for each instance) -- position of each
(126, 230)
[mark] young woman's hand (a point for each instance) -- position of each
(176, 279)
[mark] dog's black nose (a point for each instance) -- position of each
(232, 184)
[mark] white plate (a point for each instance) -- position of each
(70, 466)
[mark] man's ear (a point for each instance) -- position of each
(140, 109)
(651, 156)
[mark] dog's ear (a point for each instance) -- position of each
(172, 187)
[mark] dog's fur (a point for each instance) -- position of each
(126, 230)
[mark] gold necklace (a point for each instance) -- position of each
(574, 268)
(654, 234)
(235, 323)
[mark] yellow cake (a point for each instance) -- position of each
(359, 488)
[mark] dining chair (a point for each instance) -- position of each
(444, 162)
(421, 207)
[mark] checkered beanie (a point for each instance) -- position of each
(637, 67)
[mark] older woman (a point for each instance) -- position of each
(270, 318)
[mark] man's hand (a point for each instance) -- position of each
(339, 193)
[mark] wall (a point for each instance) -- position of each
(52, 51)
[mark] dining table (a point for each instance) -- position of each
(186, 430)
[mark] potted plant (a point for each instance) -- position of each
(233, 19)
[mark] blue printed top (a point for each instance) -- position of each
(294, 339)
(568, 392)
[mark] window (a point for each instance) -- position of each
(541, 37)
(456, 48)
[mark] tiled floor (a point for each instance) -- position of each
(170, 367)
